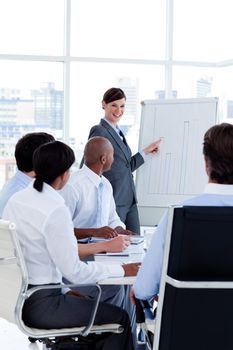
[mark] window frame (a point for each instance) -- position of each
(66, 59)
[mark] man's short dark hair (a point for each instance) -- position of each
(218, 150)
(26, 146)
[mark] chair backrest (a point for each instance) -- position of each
(13, 276)
(195, 309)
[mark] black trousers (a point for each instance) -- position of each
(117, 295)
(51, 309)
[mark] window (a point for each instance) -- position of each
(31, 100)
(124, 29)
(189, 82)
(203, 30)
(58, 57)
(89, 81)
(32, 27)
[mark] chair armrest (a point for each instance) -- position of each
(86, 330)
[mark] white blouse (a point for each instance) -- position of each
(45, 230)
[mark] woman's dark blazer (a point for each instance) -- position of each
(120, 175)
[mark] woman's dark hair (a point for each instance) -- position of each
(218, 150)
(113, 94)
(50, 161)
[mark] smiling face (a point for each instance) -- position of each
(114, 110)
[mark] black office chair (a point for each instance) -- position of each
(195, 308)
(14, 292)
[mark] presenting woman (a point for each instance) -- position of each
(120, 175)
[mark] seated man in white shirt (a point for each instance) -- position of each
(218, 156)
(89, 195)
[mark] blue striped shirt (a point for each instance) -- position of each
(18, 182)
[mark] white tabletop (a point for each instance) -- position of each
(119, 280)
(134, 253)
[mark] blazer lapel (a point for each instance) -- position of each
(123, 145)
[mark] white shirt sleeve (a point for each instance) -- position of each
(63, 249)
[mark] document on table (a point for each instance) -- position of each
(134, 239)
(131, 249)
(133, 253)
(113, 254)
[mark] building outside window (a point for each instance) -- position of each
(57, 58)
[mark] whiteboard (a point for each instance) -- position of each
(177, 172)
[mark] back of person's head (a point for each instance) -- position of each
(26, 146)
(113, 94)
(50, 161)
(218, 152)
(95, 148)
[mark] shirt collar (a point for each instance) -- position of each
(213, 188)
(24, 178)
(96, 179)
(115, 127)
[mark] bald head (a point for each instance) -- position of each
(97, 150)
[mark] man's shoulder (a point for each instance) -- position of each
(69, 191)
(76, 176)
(12, 186)
(8, 187)
(76, 185)
(106, 181)
(201, 199)
(18, 182)
(13, 182)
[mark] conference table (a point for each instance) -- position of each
(134, 253)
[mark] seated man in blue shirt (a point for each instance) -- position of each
(24, 150)
(218, 156)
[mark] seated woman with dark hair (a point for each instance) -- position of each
(45, 231)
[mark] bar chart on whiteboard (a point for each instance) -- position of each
(177, 172)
